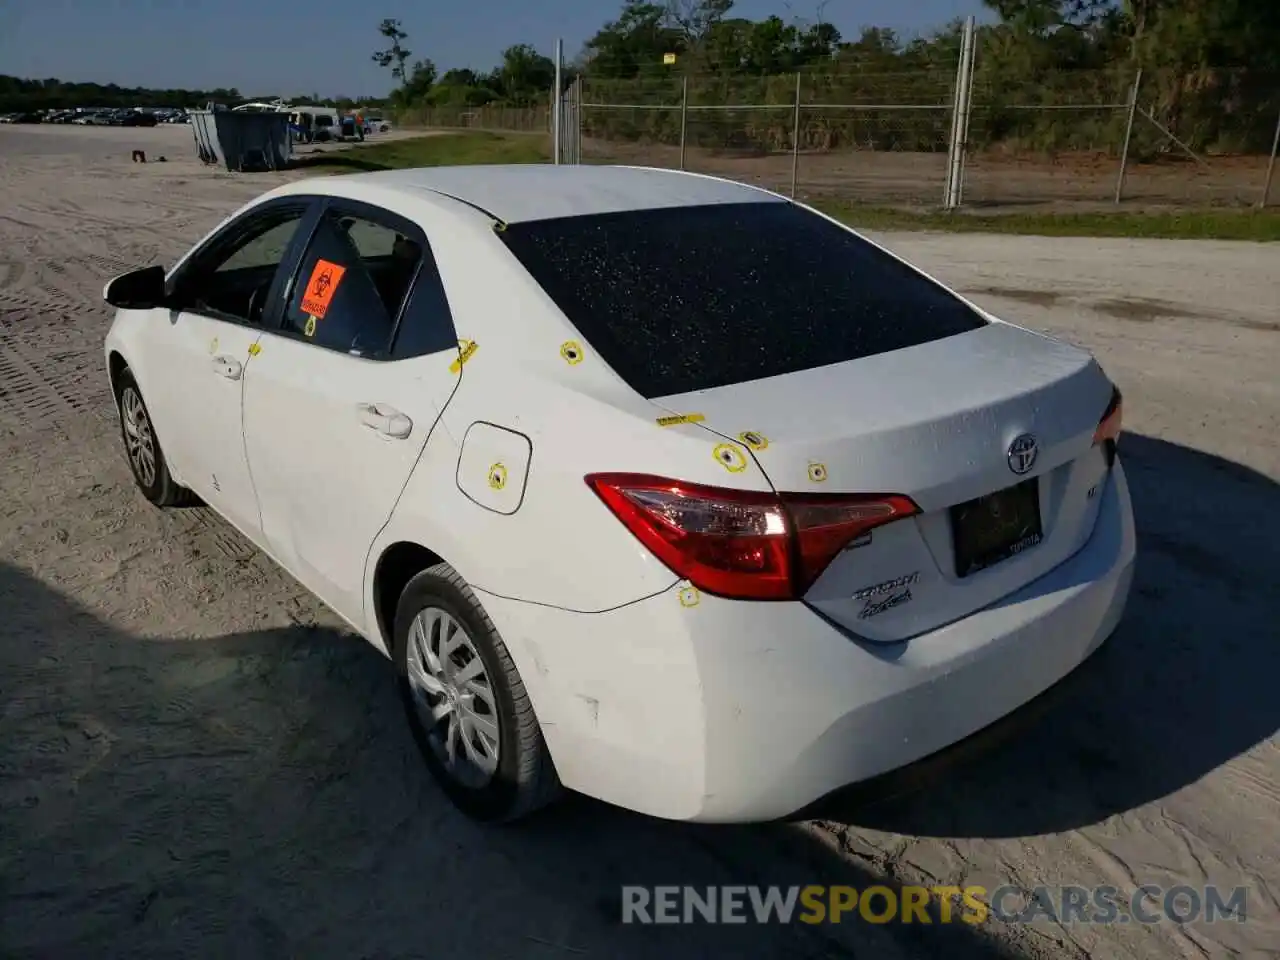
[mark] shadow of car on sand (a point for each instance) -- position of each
(1186, 683)
(259, 794)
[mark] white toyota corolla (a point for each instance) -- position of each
(657, 486)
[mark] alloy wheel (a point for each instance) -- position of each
(139, 437)
(453, 697)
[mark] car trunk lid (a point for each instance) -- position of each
(949, 423)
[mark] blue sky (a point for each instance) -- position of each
(300, 46)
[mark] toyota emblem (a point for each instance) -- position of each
(1022, 453)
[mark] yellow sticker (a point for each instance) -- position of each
(255, 348)
(310, 329)
(689, 596)
(571, 350)
(680, 418)
(467, 349)
(213, 345)
(497, 476)
(818, 472)
(730, 457)
(756, 441)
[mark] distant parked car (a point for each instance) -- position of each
(376, 125)
(30, 117)
(136, 118)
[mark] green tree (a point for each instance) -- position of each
(695, 20)
(422, 78)
(525, 76)
(634, 43)
(396, 56)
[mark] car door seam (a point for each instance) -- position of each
(244, 434)
(438, 421)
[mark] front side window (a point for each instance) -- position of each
(232, 280)
(351, 285)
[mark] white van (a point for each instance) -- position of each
(316, 124)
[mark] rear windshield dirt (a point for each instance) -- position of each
(691, 298)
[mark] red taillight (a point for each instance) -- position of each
(826, 524)
(1110, 425)
(740, 543)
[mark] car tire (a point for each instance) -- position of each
(437, 606)
(142, 447)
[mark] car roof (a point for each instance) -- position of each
(514, 193)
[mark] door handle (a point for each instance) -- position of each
(385, 420)
(228, 367)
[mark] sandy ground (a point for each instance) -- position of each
(196, 760)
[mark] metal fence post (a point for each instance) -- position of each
(966, 110)
(795, 140)
(948, 187)
(959, 123)
(577, 124)
(1271, 166)
(684, 114)
(556, 104)
(1128, 136)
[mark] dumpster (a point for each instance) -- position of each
(242, 141)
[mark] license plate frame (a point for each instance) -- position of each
(996, 527)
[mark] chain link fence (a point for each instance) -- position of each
(871, 138)
(497, 118)
(1070, 139)
(976, 132)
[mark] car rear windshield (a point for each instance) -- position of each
(691, 298)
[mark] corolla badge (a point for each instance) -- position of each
(1022, 453)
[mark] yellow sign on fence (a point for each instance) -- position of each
(668, 58)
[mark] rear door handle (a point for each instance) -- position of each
(385, 420)
(228, 367)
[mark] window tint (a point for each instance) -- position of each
(692, 298)
(353, 279)
(265, 248)
(427, 324)
(233, 279)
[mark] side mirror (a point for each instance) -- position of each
(138, 290)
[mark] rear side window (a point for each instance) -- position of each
(354, 278)
(692, 298)
(427, 324)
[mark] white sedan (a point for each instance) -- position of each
(656, 486)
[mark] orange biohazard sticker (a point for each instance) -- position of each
(323, 284)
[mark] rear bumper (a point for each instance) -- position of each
(716, 710)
